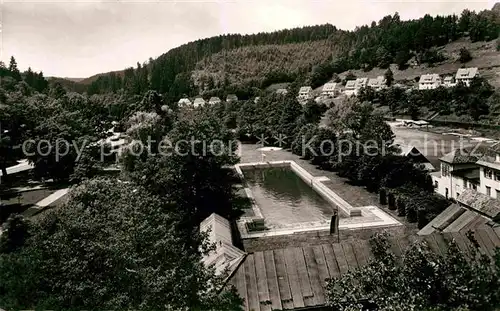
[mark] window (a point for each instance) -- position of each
(458, 194)
(465, 184)
(497, 176)
(488, 173)
(445, 169)
(436, 185)
(474, 187)
(498, 194)
(446, 193)
(488, 191)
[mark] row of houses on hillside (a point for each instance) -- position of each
(199, 101)
(333, 89)
(464, 168)
(353, 87)
(433, 80)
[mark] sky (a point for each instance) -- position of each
(75, 38)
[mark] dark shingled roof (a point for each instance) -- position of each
(481, 203)
(294, 278)
(459, 156)
(473, 210)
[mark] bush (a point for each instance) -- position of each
(382, 195)
(411, 214)
(391, 201)
(423, 207)
(401, 205)
(465, 55)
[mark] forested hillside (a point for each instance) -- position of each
(309, 53)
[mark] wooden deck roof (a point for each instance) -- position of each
(294, 278)
(473, 211)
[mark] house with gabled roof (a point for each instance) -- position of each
(305, 93)
(350, 88)
(330, 89)
(465, 75)
(198, 102)
(458, 173)
(183, 102)
(214, 100)
(281, 91)
(361, 82)
(377, 83)
(231, 98)
(449, 81)
(429, 81)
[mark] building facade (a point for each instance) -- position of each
(281, 91)
(198, 102)
(489, 167)
(449, 81)
(429, 82)
(462, 171)
(458, 172)
(305, 93)
(330, 89)
(214, 100)
(350, 88)
(465, 75)
(377, 83)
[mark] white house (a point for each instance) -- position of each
(184, 102)
(281, 91)
(465, 75)
(214, 100)
(377, 83)
(305, 93)
(459, 171)
(489, 166)
(350, 88)
(361, 82)
(449, 81)
(330, 89)
(429, 82)
(198, 102)
(231, 98)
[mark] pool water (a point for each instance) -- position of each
(285, 199)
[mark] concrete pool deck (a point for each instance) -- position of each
(358, 217)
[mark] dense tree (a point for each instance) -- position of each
(389, 77)
(402, 58)
(422, 281)
(14, 71)
(112, 245)
(191, 168)
(465, 55)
